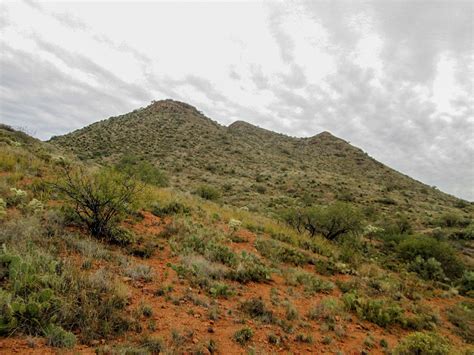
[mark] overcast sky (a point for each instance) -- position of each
(392, 77)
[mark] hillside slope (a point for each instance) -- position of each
(178, 274)
(251, 166)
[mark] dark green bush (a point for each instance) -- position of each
(142, 170)
(208, 192)
(400, 225)
(256, 308)
(466, 284)
(221, 253)
(451, 220)
(426, 248)
(428, 269)
(171, 208)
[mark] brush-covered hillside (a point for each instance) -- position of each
(130, 237)
(251, 167)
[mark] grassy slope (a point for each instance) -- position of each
(303, 297)
(253, 167)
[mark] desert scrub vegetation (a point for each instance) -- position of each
(46, 296)
(100, 200)
(243, 335)
(310, 282)
(434, 257)
(281, 252)
(244, 267)
(328, 311)
(423, 343)
(139, 169)
(466, 284)
(208, 192)
(378, 311)
(461, 315)
(169, 209)
(257, 309)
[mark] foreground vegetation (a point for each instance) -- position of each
(104, 257)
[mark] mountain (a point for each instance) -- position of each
(172, 273)
(252, 166)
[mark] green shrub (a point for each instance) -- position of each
(256, 308)
(243, 336)
(142, 170)
(427, 247)
(217, 289)
(451, 220)
(250, 269)
(423, 318)
(461, 316)
(208, 192)
(120, 236)
(171, 208)
(40, 291)
(290, 311)
(466, 283)
(58, 337)
(332, 221)
(220, 253)
(423, 344)
(327, 310)
(311, 283)
(277, 251)
(428, 269)
(400, 225)
(380, 312)
(28, 302)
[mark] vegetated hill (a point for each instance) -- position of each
(174, 273)
(251, 166)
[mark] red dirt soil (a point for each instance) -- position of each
(183, 315)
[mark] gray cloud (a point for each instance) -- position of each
(51, 102)
(391, 121)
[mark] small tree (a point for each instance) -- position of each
(100, 199)
(330, 221)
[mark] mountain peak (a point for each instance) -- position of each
(172, 106)
(241, 125)
(325, 134)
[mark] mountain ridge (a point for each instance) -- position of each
(250, 165)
